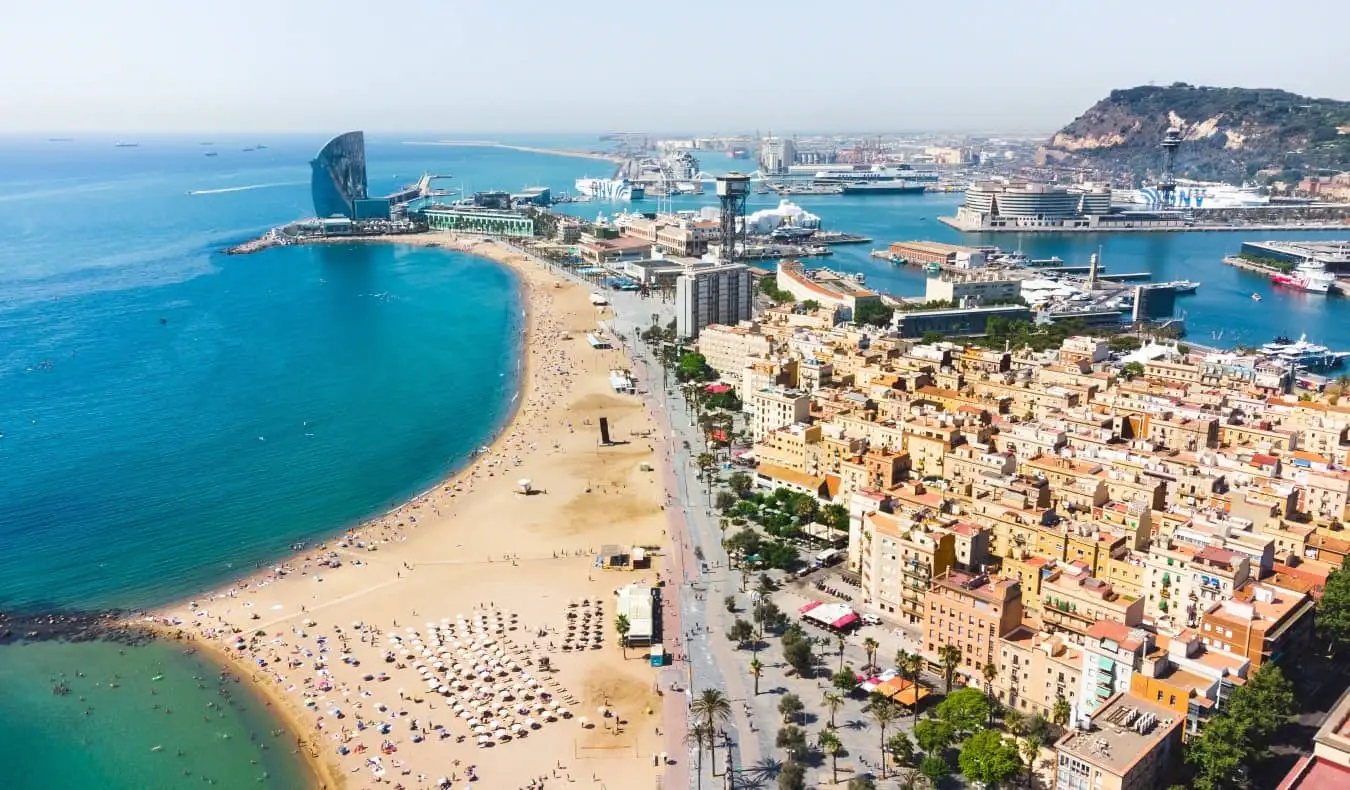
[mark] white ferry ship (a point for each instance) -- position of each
(1193, 195)
(614, 189)
(866, 174)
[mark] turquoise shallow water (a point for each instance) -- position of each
(170, 417)
(105, 731)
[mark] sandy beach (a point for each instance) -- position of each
(411, 648)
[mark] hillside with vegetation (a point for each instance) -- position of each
(1229, 134)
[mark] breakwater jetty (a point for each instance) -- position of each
(598, 155)
(109, 626)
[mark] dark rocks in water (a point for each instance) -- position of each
(110, 626)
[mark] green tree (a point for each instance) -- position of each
(1030, 749)
(790, 706)
(1219, 755)
(831, 746)
(934, 768)
(862, 783)
(693, 366)
(933, 735)
(700, 737)
(1263, 704)
(987, 757)
(874, 313)
(932, 336)
(990, 673)
(746, 543)
(910, 665)
(792, 776)
(711, 708)
(840, 643)
(845, 680)
(1333, 611)
(1133, 370)
(835, 515)
(725, 500)
(797, 653)
(949, 656)
(908, 779)
(1061, 712)
(792, 739)
(740, 483)
(870, 646)
(901, 747)
(964, 710)
(884, 713)
(832, 702)
(811, 305)
(756, 672)
(622, 625)
(705, 461)
(741, 632)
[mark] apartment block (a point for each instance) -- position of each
(970, 611)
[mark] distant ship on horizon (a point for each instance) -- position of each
(126, 145)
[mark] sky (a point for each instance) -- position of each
(711, 66)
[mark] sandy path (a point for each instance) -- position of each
(473, 546)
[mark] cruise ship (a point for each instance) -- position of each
(866, 173)
(615, 189)
(1310, 276)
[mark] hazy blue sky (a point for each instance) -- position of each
(561, 65)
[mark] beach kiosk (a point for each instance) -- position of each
(658, 656)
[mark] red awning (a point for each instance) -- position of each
(717, 389)
(845, 621)
(809, 607)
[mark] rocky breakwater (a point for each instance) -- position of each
(72, 627)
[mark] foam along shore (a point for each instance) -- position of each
(375, 644)
(603, 157)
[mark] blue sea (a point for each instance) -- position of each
(170, 417)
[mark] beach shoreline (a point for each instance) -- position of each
(538, 289)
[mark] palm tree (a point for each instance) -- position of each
(870, 646)
(830, 744)
(711, 708)
(1030, 749)
(908, 779)
(842, 643)
(950, 657)
(1060, 713)
(990, 672)
(911, 664)
(756, 671)
(832, 701)
(698, 736)
(884, 713)
(622, 625)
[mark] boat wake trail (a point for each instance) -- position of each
(244, 188)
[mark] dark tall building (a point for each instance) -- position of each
(339, 178)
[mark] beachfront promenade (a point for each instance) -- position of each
(696, 628)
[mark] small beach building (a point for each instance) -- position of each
(637, 603)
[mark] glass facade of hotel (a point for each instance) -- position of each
(339, 176)
(491, 223)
